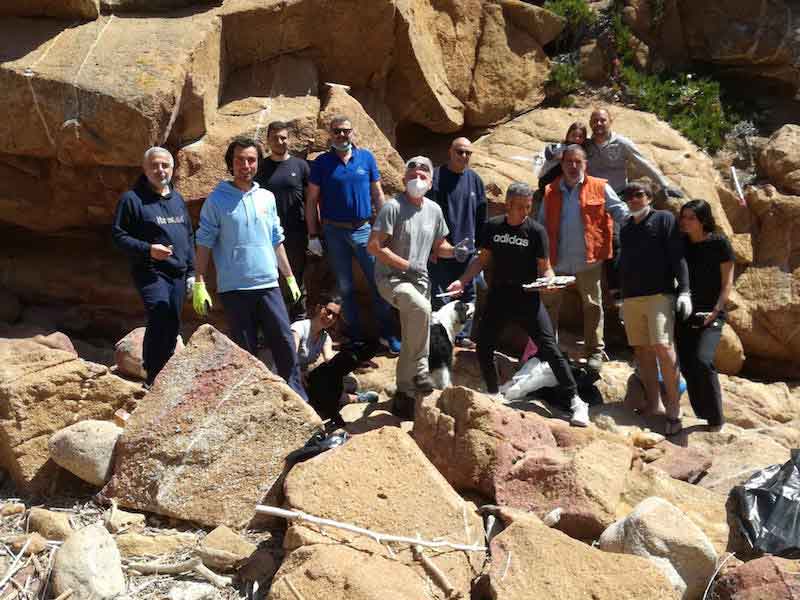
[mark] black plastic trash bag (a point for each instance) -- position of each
(769, 508)
(317, 444)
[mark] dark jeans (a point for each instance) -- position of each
(325, 382)
(163, 300)
(248, 310)
(507, 304)
(696, 349)
(295, 246)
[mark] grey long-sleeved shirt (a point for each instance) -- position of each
(610, 161)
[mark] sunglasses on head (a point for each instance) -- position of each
(341, 130)
(413, 165)
(463, 152)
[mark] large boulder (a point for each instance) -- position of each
(735, 462)
(753, 40)
(86, 449)
(780, 159)
(703, 507)
(775, 242)
(209, 440)
(382, 481)
(661, 532)
(63, 9)
(89, 564)
(530, 560)
(767, 578)
(765, 310)
(524, 461)
(338, 571)
(42, 391)
(504, 155)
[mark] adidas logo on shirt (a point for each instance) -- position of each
(511, 240)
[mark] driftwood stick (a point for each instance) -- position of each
(14, 565)
(296, 515)
(436, 574)
(65, 595)
(192, 565)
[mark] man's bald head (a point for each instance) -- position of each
(460, 153)
(600, 123)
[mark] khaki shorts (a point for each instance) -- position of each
(649, 320)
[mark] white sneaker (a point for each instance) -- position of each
(580, 412)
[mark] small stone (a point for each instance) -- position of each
(121, 418)
(86, 449)
(89, 564)
(136, 544)
(52, 525)
(122, 520)
(223, 549)
(13, 508)
(189, 590)
(36, 543)
(646, 439)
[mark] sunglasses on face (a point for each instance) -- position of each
(413, 166)
(466, 153)
(341, 130)
(637, 195)
(331, 313)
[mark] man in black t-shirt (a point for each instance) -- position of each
(286, 176)
(516, 246)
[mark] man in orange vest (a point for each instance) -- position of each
(578, 213)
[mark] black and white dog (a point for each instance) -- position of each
(446, 324)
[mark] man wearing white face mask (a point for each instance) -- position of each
(408, 230)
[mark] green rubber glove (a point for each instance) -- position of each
(294, 290)
(201, 297)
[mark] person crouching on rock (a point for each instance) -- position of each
(516, 247)
(239, 224)
(710, 260)
(325, 382)
(152, 226)
(408, 230)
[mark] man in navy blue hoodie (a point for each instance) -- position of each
(152, 226)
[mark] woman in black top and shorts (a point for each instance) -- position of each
(710, 259)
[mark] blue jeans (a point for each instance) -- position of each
(342, 245)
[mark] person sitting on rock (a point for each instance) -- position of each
(651, 259)
(516, 247)
(408, 230)
(239, 224)
(152, 226)
(325, 382)
(710, 260)
(578, 213)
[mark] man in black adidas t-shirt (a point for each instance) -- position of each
(516, 247)
(286, 176)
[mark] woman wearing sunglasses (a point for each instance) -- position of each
(325, 382)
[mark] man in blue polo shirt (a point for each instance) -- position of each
(344, 184)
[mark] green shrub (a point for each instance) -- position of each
(691, 105)
(579, 18)
(564, 79)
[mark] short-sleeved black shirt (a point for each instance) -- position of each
(705, 279)
(287, 180)
(515, 250)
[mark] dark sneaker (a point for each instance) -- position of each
(391, 344)
(369, 396)
(423, 383)
(403, 406)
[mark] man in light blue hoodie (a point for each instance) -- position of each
(239, 226)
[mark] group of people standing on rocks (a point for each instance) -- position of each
(428, 245)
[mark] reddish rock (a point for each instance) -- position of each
(686, 464)
(128, 353)
(767, 578)
(208, 442)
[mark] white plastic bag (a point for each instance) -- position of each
(533, 375)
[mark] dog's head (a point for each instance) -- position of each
(453, 316)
